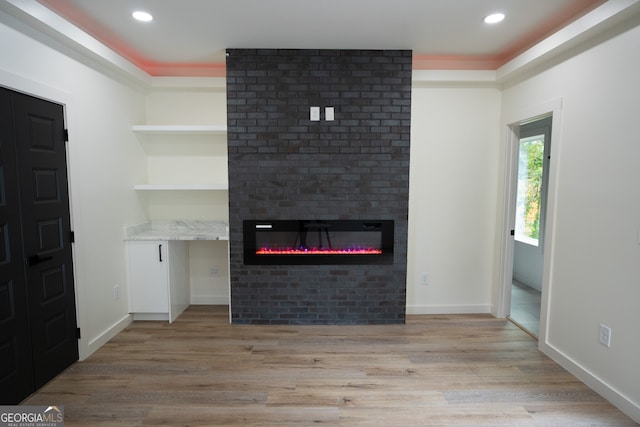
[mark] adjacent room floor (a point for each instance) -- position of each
(525, 307)
(437, 370)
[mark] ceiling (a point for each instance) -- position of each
(189, 37)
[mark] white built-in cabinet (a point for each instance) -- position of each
(159, 279)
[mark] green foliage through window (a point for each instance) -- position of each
(529, 191)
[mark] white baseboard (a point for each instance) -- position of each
(104, 337)
(449, 309)
(209, 300)
(524, 281)
(619, 400)
(145, 317)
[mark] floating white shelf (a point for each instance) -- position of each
(179, 128)
(181, 187)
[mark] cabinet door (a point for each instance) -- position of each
(179, 292)
(148, 274)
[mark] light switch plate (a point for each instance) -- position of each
(329, 114)
(314, 114)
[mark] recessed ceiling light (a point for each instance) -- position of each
(142, 16)
(494, 18)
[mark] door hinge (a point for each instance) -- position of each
(72, 237)
(78, 333)
(65, 135)
(513, 232)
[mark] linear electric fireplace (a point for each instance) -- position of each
(297, 242)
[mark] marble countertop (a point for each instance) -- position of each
(178, 230)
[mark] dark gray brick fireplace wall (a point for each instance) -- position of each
(284, 166)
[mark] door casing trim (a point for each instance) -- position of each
(510, 124)
(48, 93)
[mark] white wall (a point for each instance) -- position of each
(594, 269)
(103, 156)
(527, 264)
(455, 144)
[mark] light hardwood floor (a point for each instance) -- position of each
(454, 370)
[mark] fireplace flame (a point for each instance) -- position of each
(318, 251)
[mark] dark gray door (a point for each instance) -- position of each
(36, 290)
(16, 373)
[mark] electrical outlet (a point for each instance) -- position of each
(213, 272)
(424, 278)
(605, 335)
(116, 292)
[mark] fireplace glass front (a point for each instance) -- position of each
(318, 242)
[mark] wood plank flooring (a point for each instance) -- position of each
(454, 370)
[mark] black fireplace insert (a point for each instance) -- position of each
(299, 242)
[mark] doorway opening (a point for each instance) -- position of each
(531, 184)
